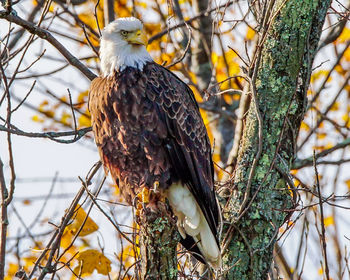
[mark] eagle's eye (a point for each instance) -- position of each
(124, 32)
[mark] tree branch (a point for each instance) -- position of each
(300, 163)
(46, 35)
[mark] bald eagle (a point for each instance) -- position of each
(149, 131)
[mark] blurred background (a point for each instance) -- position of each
(45, 140)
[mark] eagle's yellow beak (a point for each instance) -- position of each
(137, 38)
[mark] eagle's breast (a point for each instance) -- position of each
(129, 133)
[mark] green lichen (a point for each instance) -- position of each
(280, 69)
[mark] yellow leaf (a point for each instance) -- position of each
(127, 256)
(43, 109)
(64, 99)
(70, 231)
(296, 183)
(328, 145)
(90, 260)
(328, 221)
(121, 8)
(344, 36)
(318, 148)
(347, 182)
(89, 227)
(82, 98)
(141, 4)
(36, 118)
(304, 126)
(320, 271)
(340, 70)
(49, 113)
(321, 136)
(250, 34)
(11, 271)
(29, 261)
(335, 106)
(214, 57)
(294, 171)
(26, 202)
(318, 74)
(84, 121)
(347, 55)
(43, 104)
(346, 119)
(104, 266)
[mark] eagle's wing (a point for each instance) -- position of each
(188, 144)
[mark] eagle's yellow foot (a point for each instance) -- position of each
(144, 195)
(143, 198)
(155, 187)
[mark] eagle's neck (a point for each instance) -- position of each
(118, 56)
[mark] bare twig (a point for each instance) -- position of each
(300, 163)
(73, 115)
(186, 49)
(25, 98)
(94, 200)
(46, 35)
(183, 23)
(4, 221)
(54, 243)
(8, 199)
(323, 232)
(50, 135)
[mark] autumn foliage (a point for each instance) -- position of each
(76, 24)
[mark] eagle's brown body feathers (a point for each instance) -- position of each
(148, 128)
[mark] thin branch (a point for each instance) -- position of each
(334, 33)
(323, 233)
(46, 35)
(56, 239)
(51, 135)
(94, 200)
(300, 163)
(25, 98)
(4, 221)
(186, 49)
(8, 199)
(183, 23)
(73, 115)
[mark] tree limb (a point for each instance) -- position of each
(46, 35)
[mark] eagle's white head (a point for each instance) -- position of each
(123, 43)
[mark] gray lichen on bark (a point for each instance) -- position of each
(281, 82)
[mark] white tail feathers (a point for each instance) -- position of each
(191, 221)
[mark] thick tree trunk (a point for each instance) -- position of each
(158, 241)
(280, 78)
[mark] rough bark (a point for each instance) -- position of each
(158, 242)
(280, 80)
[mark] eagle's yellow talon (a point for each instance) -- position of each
(143, 196)
(155, 186)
